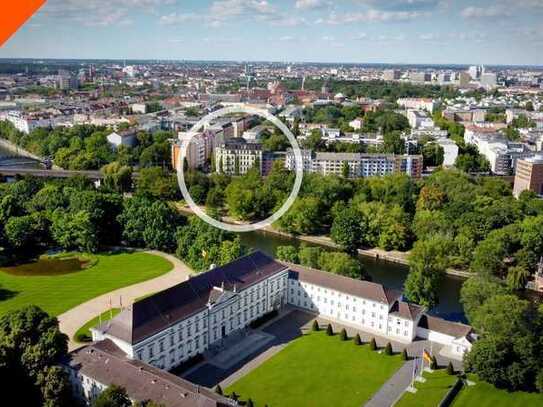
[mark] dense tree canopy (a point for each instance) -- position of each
(31, 347)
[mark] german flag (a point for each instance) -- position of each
(426, 356)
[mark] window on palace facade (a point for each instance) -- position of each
(151, 353)
(161, 346)
(405, 333)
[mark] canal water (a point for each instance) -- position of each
(389, 274)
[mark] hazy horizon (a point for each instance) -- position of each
(397, 32)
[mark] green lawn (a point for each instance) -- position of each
(486, 395)
(83, 334)
(57, 291)
(318, 370)
(429, 393)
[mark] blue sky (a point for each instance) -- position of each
(391, 31)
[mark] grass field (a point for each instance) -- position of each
(318, 370)
(429, 393)
(486, 395)
(83, 334)
(56, 292)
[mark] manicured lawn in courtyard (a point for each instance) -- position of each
(486, 395)
(57, 292)
(318, 370)
(83, 334)
(429, 393)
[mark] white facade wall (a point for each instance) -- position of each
(350, 310)
(26, 125)
(246, 159)
(84, 386)
(194, 334)
(118, 140)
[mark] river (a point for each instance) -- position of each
(389, 274)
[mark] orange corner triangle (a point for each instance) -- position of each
(13, 14)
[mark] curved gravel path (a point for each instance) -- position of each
(75, 318)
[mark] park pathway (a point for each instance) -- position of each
(75, 318)
(391, 391)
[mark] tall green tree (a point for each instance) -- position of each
(348, 229)
(427, 264)
(113, 396)
(31, 347)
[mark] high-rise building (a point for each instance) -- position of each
(489, 79)
(392, 74)
(464, 79)
(529, 175)
(475, 72)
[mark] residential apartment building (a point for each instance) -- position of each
(392, 74)
(419, 119)
(25, 123)
(360, 165)
(500, 153)
(450, 151)
(122, 138)
(196, 316)
(417, 104)
(198, 151)
(529, 175)
(236, 156)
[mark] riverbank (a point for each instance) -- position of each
(21, 152)
(393, 256)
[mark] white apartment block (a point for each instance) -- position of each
(197, 151)
(500, 153)
(139, 108)
(236, 157)
(126, 138)
(23, 123)
(450, 151)
(417, 104)
(360, 165)
(357, 123)
(419, 119)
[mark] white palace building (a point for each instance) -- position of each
(169, 327)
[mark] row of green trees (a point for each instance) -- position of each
(86, 147)
(509, 350)
(71, 214)
(317, 258)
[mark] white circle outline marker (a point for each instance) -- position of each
(297, 155)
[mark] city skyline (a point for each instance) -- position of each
(354, 31)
